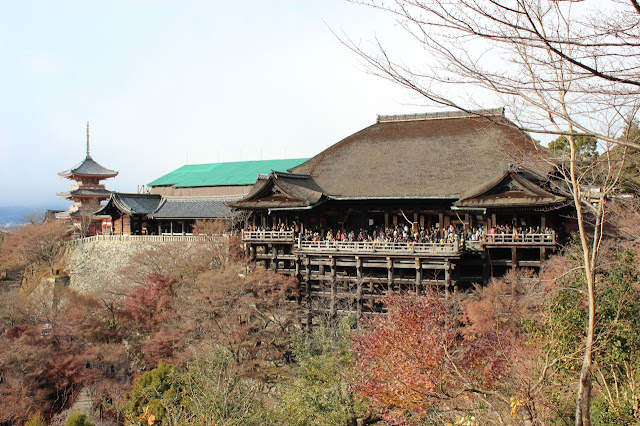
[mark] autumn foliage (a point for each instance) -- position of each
(415, 360)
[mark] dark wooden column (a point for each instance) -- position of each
(359, 286)
(389, 274)
(447, 278)
(332, 302)
(307, 265)
(418, 276)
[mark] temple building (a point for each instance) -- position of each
(154, 214)
(87, 193)
(233, 179)
(445, 200)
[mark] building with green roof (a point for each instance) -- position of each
(218, 179)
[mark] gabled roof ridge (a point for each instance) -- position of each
(131, 194)
(278, 174)
(198, 198)
(441, 115)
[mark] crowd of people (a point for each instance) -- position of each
(407, 233)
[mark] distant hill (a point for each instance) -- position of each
(14, 215)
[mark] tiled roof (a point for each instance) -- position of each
(512, 189)
(136, 203)
(191, 208)
(89, 167)
(281, 191)
(219, 174)
(82, 192)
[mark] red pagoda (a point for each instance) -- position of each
(87, 193)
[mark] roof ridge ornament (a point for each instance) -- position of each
(439, 115)
(88, 152)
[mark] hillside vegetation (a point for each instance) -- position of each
(201, 339)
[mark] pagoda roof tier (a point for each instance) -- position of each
(85, 193)
(89, 167)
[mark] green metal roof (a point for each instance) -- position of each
(216, 174)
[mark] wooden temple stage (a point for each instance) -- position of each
(350, 277)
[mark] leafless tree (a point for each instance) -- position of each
(87, 212)
(561, 67)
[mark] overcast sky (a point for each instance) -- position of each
(166, 83)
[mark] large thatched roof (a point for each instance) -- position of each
(422, 156)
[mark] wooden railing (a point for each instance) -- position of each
(399, 247)
(378, 247)
(144, 238)
(510, 239)
(266, 236)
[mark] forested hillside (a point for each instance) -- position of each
(202, 339)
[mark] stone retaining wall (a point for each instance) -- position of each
(104, 267)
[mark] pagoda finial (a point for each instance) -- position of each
(88, 139)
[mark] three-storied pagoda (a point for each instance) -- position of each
(87, 193)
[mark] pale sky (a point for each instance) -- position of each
(162, 82)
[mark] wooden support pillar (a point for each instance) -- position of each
(493, 219)
(274, 257)
(421, 221)
(395, 220)
(418, 276)
(171, 227)
(332, 302)
(389, 274)
(543, 221)
(386, 220)
(514, 257)
(486, 270)
(372, 302)
(359, 287)
(543, 254)
(308, 294)
(447, 278)
(297, 266)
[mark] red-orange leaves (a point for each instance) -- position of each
(415, 361)
(150, 303)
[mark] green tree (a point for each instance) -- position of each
(617, 335)
(586, 147)
(78, 419)
(318, 393)
(36, 419)
(153, 393)
(218, 393)
(630, 179)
